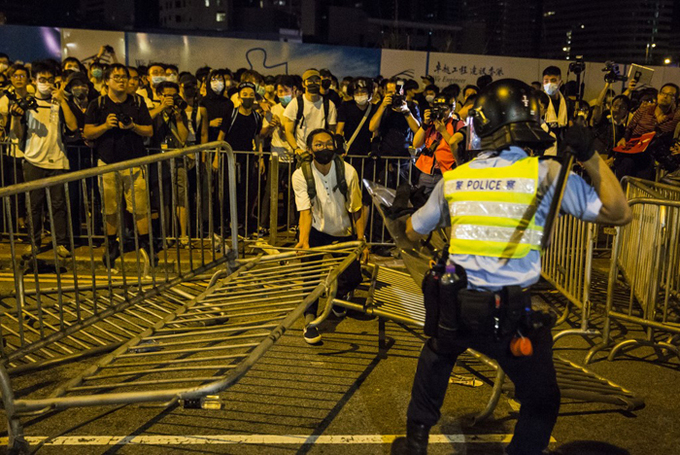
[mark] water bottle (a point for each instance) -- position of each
(54, 113)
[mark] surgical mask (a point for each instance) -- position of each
(326, 84)
(361, 99)
(550, 88)
(324, 156)
(217, 86)
(247, 102)
(79, 92)
(155, 80)
(285, 99)
(171, 78)
(97, 73)
(260, 90)
(314, 88)
(429, 98)
(44, 88)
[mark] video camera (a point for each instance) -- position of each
(438, 112)
(179, 102)
(578, 66)
(612, 73)
(25, 104)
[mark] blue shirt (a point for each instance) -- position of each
(491, 273)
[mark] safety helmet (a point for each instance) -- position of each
(507, 112)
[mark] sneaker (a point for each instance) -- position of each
(311, 335)
(63, 252)
(294, 229)
(339, 311)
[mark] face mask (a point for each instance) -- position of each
(550, 88)
(361, 99)
(247, 102)
(313, 88)
(171, 78)
(429, 98)
(326, 84)
(217, 86)
(285, 99)
(79, 92)
(44, 88)
(324, 156)
(97, 73)
(155, 80)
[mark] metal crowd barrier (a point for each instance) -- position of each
(62, 307)
(644, 269)
(204, 345)
(394, 295)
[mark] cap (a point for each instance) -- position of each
(325, 72)
(76, 77)
(243, 85)
(310, 73)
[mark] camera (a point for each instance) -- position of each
(438, 112)
(179, 102)
(124, 119)
(612, 73)
(398, 95)
(25, 104)
(578, 66)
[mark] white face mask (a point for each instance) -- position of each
(429, 98)
(171, 78)
(44, 88)
(217, 86)
(361, 99)
(550, 88)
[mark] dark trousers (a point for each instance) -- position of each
(534, 378)
(37, 209)
(348, 280)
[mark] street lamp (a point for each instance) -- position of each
(667, 61)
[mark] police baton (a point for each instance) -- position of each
(569, 156)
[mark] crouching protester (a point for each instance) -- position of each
(478, 296)
(328, 199)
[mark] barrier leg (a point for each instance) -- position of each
(16, 443)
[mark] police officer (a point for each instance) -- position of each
(496, 206)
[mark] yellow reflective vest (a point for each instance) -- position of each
(492, 209)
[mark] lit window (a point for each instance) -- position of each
(207, 3)
(221, 17)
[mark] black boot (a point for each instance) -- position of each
(415, 442)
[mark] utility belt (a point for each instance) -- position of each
(452, 311)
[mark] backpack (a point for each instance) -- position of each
(137, 98)
(306, 167)
(301, 109)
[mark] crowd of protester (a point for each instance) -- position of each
(124, 112)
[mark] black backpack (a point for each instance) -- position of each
(306, 167)
(301, 111)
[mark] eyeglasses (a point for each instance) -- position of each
(19, 76)
(44, 80)
(120, 78)
(669, 95)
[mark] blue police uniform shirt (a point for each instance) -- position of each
(491, 273)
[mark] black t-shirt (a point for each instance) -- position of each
(217, 107)
(118, 145)
(396, 135)
(241, 134)
(351, 115)
(334, 97)
(607, 133)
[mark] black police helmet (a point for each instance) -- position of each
(507, 112)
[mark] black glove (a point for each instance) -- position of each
(400, 206)
(581, 140)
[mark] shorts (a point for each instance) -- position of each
(128, 181)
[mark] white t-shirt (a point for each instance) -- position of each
(330, 212)
(280, 146)
(312, 118)
(44, 147)
(14, 150)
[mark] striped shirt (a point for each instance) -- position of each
(645, 121)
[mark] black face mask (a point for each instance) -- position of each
(324, 156)
(326, 84)
(247, 102)
(314, 88)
